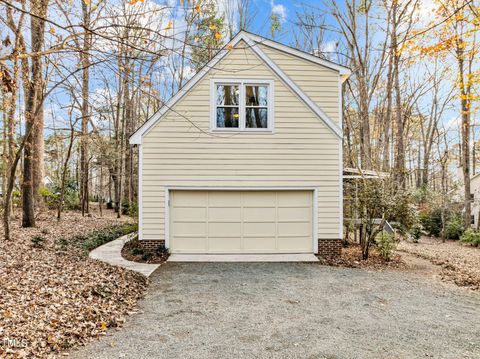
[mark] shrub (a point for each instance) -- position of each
(416, 232)
(38, 241)
(431, 221)
(454, 227)
(51, 199)
(130, 208)
(90, 241)
(471, 236)
(385, 244)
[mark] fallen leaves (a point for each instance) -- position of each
(352, 257)
(460, 263)
(55, 298)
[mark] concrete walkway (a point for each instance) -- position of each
(299, 257)
(111, 253)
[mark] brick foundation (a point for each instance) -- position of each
(326, 247)
(329, 248)
(152, 245)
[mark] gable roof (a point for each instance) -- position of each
(251, 40)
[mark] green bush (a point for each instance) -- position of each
(92, 240)
(385, 244)
(51, 199)
(431, 221)
(38, 241)
(416, 232)
(130, 208)
(471, 236)
(454, 227)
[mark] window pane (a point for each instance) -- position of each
(227, 117)
(256, 95)
(256, 118)
(228, 95)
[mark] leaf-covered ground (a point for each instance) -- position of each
(53, 297)
(460, 263)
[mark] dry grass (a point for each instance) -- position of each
(55, 298)
(460, 263)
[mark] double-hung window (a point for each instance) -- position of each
(242, 105)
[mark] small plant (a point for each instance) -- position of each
(471, 236)
(38, 241)
(385, 245)
(454, 227)
(51, 199)
(138, 251)
(416, 232)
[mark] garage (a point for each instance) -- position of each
(217, 221)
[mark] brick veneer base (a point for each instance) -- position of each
(152, 245)
(326, 247)
(329, 247)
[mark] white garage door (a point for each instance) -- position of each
(241, 221)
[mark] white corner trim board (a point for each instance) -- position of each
(252, 41)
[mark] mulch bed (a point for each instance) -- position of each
(134, 252)
(352, 258)
(54, 298)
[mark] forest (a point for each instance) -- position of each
(79, 77)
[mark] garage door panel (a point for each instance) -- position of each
(259, 214)
(189, 244)
(189, 214)
(241, 221)
(259, 199)
(258, 229)
(224, 245)
(193, 229)
(224, 229)
(224, 199)
(294, 244)
(222, 214)
(294, 229)
(295, 198)
(189, 198)
(294, 214)
(259, 244)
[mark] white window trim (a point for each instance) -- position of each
(242, 107)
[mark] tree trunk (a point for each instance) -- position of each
(84, 162)
(32, 109)
(64, 174)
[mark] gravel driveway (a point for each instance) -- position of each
(293, 310)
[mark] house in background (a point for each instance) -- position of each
(247, 157)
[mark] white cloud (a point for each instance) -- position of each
(329, 47)
(279, 10)
(426, 11)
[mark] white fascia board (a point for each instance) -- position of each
(136, 137)
(312, 105)
(342, 70)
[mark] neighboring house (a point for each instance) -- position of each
(247, 157)
(475, 197)
(459, 195)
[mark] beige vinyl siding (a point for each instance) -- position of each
(180, 150)
(317, 82)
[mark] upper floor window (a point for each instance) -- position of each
(242, 105)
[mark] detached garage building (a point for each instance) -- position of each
(247, 157)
